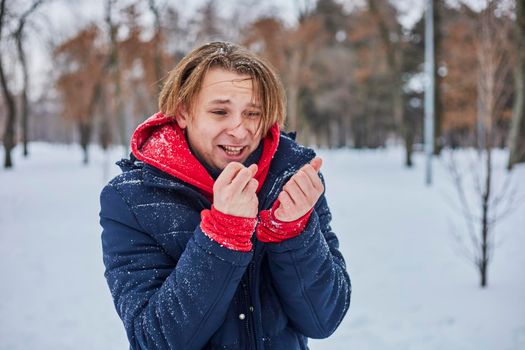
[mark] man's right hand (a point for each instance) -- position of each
(234, 191)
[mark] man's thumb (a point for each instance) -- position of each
(316, 163)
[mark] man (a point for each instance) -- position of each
(216, 235)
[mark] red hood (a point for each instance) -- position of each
(160, 142)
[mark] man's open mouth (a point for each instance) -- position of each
(232, 150)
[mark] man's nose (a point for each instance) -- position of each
(237, 127)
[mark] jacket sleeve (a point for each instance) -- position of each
(162, 306)
(310, 276)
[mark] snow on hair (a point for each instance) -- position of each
(185, 80)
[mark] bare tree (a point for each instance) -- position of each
(494, 58)
(494, 67)
(113, 67)
(516, 138)
(157, 40)
(79, 81)
(19, 38)
(459, 84)
(291, 51)
(438, 79)
(301, 45)
(9, 132)
(391, 35)
(208, 22)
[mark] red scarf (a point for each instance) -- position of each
(160, 142)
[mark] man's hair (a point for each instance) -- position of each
(185, 81)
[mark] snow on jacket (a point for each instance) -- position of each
(175, 288)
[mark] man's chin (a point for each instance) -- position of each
(226, 158)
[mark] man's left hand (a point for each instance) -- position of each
(300, 193)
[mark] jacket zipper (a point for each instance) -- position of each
(250, 325)
(248, 321)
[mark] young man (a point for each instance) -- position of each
(216, 235)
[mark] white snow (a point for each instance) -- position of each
(411, 288)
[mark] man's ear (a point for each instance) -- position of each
(182, 117)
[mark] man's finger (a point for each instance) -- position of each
(252, 185)
(314, 177)
(242, 178)
(285, 203)
(304, 182)
(245, 186)
(228, 174)
(254, 169)
(297, 196)
(316, 163)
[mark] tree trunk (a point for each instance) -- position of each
(483, 274)
(157, 42)
(24, 105)
(9, 133)
(405, 127)
(394, 62)
(335, 130)
(343, 130)
(359, 128)
(483, 264)
(113, 65)
(438, 80)
(24, 108)
(293, 91)
(516, 141)
(104, 126)
(84, 128)
(408, 136)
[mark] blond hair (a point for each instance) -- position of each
(185, 80)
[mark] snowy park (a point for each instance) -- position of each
(415, 107)
(412, 287)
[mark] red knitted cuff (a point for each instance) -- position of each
(273, 230)
(230, 231)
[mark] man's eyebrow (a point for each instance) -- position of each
(220, 101)
(227, 101)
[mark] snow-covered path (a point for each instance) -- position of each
(411, 289)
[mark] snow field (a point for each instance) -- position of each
(411, 287)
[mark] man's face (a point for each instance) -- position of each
(223, 126)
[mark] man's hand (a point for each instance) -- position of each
(234, 191)
(300, 193)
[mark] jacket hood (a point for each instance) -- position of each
(160, 142)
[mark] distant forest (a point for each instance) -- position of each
(353, 74)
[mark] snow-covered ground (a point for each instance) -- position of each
(411, 287)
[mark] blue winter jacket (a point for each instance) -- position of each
(174, 288)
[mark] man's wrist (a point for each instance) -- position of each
(273, 230)
(230, 231)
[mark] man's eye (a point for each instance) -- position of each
(253, 114)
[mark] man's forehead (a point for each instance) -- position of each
(243, 83)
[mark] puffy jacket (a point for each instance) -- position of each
(175, 288)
